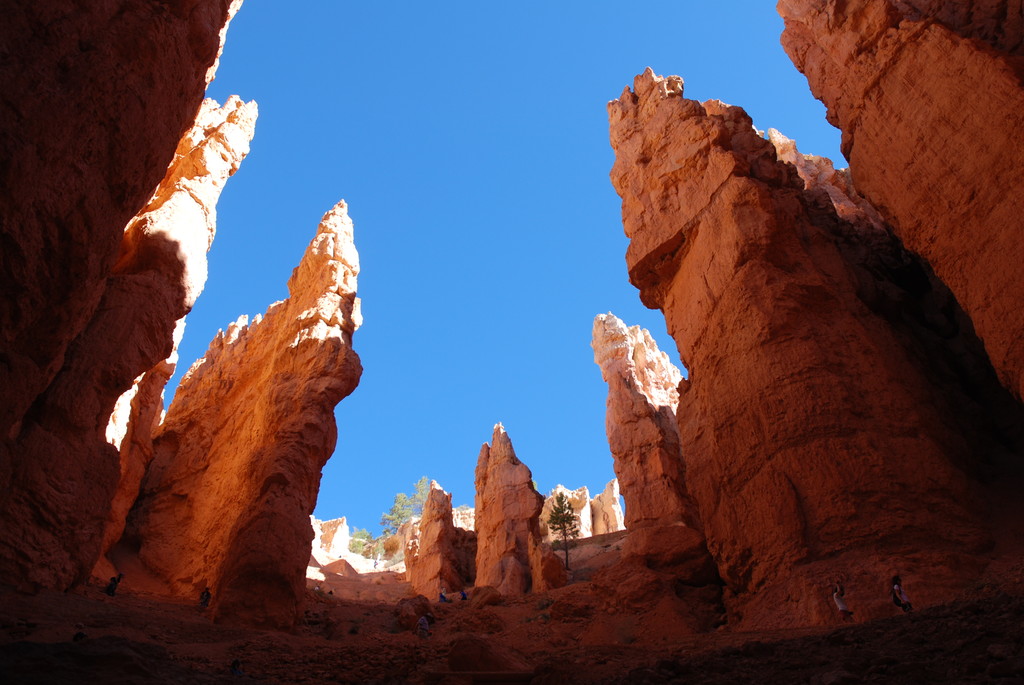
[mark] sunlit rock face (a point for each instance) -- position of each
(641, 423)
(929, 97)
(579, 500)
(442, 557)
(510, 555)
(95, 101)
(606, 510)
(167, 243)
(825, 424)
(236, 468)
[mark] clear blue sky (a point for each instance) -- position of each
(470, 140)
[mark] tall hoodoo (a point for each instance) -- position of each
(930, 98)
(443, 556)
(810, 392)
(509, 553)
(236, 468)
(641, 423)
(168, 242)
(86, 133)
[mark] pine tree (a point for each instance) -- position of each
(563, 522)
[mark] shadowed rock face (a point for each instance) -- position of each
(96, 98)
(819, 425)
(166, 244)
(931, 117)
(509, 554)
(236, 468)
(442, 557)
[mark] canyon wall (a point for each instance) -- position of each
(95, 102)
(510, 555)
(930, 100)
(825, 424)
(164, 256)
(443, 556)
(236, 468)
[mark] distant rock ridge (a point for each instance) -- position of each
(597, 516)
(510, 555)
(227, 499)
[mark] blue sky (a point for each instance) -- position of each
(470, 140)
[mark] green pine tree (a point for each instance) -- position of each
(563, 522)
(405, 507)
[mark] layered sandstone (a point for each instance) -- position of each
(820, 359)
(930, 100)
(641, 423)
(579, 500)
(606, 511)
(91, 306)
(164, 253)
(227, 498)
(443, 556)
(510, 555)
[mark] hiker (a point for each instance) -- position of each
(236, 668)
(111, 588)
(899, 597)
(463, 596)
(444, 598)
(204, 598)
(423, 627)
(838, 593)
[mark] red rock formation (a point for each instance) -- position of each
(509, 555)
(175, 231)
(443, 556)
(94, 103)
(930, 118)
(227, 498)
(641, 423)
(820, 423)
(606, 510)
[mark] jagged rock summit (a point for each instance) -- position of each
(510, 555)
(227, 499)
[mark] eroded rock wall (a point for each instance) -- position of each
(164, 254)
(510, 555)
(236, 469)
(818, 424)
(96, 99)
(929, 97)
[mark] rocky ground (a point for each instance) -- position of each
(560, 637)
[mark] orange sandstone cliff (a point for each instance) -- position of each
(236, 468)
(826, 427)
(171, 236)
(930, 99)
(95, 101)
